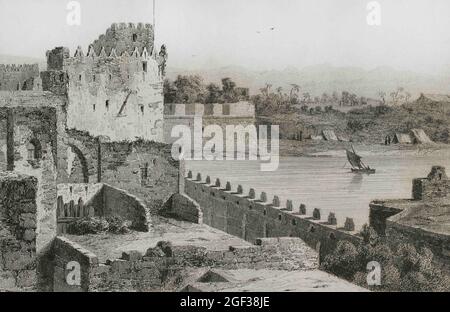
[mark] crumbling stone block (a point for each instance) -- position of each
(289, 206)
(316, 214)
(276, 201)
(349, 224)
(302, 209)
(263, 197)
(132, 255)
(332, 219)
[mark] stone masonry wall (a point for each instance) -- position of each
(162, 267)
(116, 89)
(18, 223)
(123, 166)
(77, 201)
(182, 207)
(251, 218)
(17, 77)
(66, 252)
(123, 204)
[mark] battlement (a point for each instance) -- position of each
(239, 109)
(125, 37)
(249, 217)
(15, 77)
(8, 68)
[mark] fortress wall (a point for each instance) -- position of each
(18, 223)
(32, 120)
(115, 90)
(250, 218)
(123, 166)
(241, 113)
(438, 243)
(114, 97)
(18, 77)
(125, 37)
(426, 189)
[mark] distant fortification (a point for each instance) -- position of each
(19, 77)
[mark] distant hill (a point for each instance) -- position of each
(327, 78)
(12, 59)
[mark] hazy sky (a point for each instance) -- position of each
(414, 34)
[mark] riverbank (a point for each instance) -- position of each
(311, 148)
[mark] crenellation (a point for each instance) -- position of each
(226, 211)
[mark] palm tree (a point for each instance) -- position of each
(295, 89)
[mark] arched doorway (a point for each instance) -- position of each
(79, 172)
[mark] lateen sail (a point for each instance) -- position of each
(354, 159)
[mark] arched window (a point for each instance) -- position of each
(34, 149)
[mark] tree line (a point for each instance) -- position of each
(192, 89)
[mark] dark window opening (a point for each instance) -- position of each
(79, 77)
(107, 104)
(61, 77)
(144, 66)
(144, 173)
(134, 37)
(93, 78)
(279, 217)
(294, 222)
(110, 76)
(93, 107)
(34, 149)
(142, 109)
(265, 212)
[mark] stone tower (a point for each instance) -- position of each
(115, 90)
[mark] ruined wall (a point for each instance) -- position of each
(435, 186)
(34, 123)
(182, 207)
(18, 223)
(18, 77)
(438, 243)
(163, 267)
(114, 91)
(123, 204)
(78, 201)
(251, 218)
(241, 113)
(67, 251)
(83, 200)
(143, 169)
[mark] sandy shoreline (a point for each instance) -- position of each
(289, 148)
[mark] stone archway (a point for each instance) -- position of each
(80, 164)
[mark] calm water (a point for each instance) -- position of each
(324, 182)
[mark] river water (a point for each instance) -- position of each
(326, 182)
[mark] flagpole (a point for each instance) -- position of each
(154, 19)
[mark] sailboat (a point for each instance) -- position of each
(357, 165)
